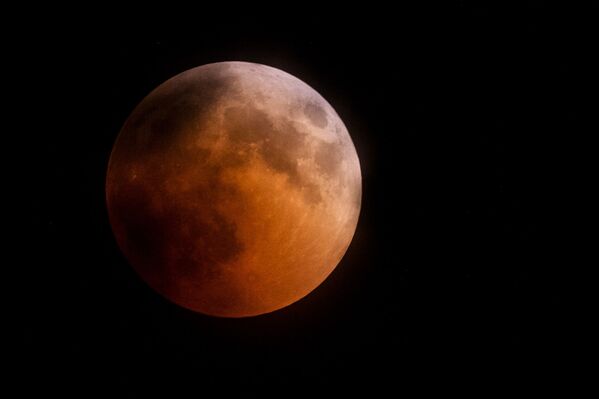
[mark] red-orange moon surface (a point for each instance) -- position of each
(234, 189)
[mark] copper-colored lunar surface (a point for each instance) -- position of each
(234, 189)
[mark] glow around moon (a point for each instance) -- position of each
(234, 189)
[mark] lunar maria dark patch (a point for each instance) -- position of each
(280, 145)
(170, 110)
(316, 114)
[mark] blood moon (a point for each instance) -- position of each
(234, 189)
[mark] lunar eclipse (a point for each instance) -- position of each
(234, 189)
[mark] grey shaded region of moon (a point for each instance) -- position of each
(234, 189)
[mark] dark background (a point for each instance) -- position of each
(464, 118)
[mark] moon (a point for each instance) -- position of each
(234, 189)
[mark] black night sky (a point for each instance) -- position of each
(463, 119)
